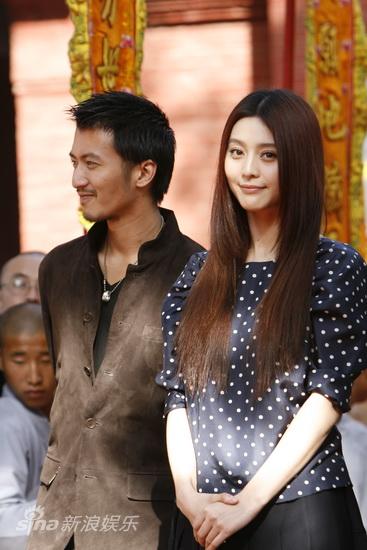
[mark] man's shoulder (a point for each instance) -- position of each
(177, 240)
(65, 251)
(191, 245)
(66, 248)
(13, 414)
(183, 249)
(21, 429)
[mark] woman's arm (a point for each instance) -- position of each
(182, 460)
(181, 456)
(301, 440)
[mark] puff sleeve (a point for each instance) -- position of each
(338, 322)
(172, 308)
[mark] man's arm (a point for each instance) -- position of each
(14, 479)
(43, 279)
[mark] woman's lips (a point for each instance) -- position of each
(251, 188)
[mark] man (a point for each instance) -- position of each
(19, 279)
(19, 283)
(24, 426)
(105, 481)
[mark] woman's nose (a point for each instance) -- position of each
(249, 166)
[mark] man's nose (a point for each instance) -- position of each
(79, 178)
(34, 374)
(33, 293)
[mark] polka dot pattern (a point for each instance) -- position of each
(233, 432)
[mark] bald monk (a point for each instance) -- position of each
(24, 426)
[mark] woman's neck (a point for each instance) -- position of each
(264, 231)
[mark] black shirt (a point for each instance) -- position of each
(105, 317)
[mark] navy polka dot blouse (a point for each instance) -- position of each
(233, 434)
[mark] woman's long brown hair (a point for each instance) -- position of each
(203, 335)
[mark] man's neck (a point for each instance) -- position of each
(124, 238)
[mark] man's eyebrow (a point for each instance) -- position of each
(86, 155)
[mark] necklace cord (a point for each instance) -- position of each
(106, 295)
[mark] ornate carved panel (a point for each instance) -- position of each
(176, 12)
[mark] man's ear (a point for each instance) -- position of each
(1, 362)
(146, 172)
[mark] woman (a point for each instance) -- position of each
(269, 340)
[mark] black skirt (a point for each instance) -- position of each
(329, 520)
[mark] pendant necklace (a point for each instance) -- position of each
(106, 294)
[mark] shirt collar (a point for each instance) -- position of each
(8, 392)
(150, 251)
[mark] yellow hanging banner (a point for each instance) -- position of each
(106, 49)
(336, 72)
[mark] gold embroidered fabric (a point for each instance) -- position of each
(336, 71)
(106, 49)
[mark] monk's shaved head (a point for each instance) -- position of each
(22, 318)
(24, 357)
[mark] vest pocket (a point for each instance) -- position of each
(152, 342)
(153, 334)
(51, 468)
(150, 487)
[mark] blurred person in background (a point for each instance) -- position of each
(353, 427)
(19, 279)
(24, 410)
(19, 283)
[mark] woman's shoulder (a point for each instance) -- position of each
(193, 266)
(198, 259)
(338, 267)
(186, 279)
(332, 254)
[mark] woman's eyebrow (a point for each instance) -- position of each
(239, 142)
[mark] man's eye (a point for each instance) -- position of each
(18, 360)
(20, 281)
(91, 164)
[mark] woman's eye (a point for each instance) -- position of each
(235, 153)
(268, 155)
